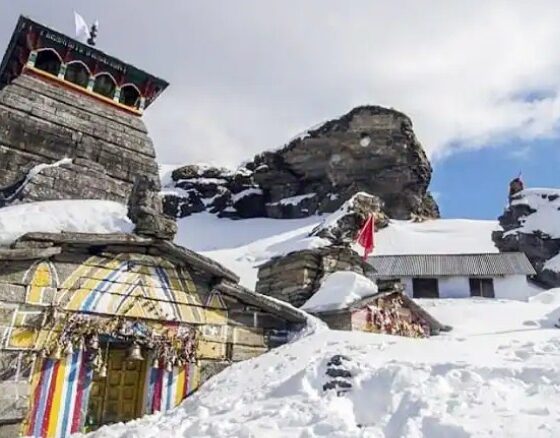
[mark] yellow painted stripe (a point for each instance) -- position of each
(56, 408)
(179, 386)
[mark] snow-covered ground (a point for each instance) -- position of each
(496, 374)
(242, 245)
(86, 216)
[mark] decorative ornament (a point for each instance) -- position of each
(135, 352)
(69, 349)
(93, 342)
(155, 363)
(102, 371)
(57, 353)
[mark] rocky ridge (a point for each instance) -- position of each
(531, 224)
(371, 149)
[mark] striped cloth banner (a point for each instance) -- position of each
(166, 389)
(57, 404)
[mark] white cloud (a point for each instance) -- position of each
(248, 75)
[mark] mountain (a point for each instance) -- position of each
(371, 149)
(531, 224)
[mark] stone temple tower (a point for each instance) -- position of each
(70, 120)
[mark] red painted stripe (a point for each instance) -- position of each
(36, 398)
(48, 406)
(79, 396)
(157, 391)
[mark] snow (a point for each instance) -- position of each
(339, 290)
(546, 202)
(251, 191)
(437, 236)
(497, 373)
(35, 170)
(86, 216)
(293, 200)
(553, 264)
(245, 244)
(165, 171)
(242, 245)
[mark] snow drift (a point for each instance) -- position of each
(85, 216)
(496, 374)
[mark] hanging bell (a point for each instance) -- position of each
(57, 353)
(103, 371)
(93, 342)
(155, 363)
(169, 367)
(135, 352)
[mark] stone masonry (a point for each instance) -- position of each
(57, 144)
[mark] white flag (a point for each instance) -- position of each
(82, 29)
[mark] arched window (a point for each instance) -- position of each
(130, 96)
(49, 61)
(77, 73)
(104, 85)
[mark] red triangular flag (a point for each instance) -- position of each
(365, 236)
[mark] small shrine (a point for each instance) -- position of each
(51, 55)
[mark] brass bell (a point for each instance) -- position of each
(103, 371)
(93, 342)
(135, 352)
(57, 353)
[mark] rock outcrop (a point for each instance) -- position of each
(296, 276)
(370, 149)
(531, 224)
(342, 227)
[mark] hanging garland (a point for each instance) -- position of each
(386, 318)
(78, 331)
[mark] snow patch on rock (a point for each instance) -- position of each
(84, 216)
(339, 290)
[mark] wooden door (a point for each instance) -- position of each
(117, 397)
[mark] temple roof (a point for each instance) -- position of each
(30, 36)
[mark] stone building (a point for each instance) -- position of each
(70, 118)
(74, 308)
(100, 328)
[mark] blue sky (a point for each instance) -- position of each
(474, 183)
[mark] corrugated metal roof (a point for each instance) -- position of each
(442, 265)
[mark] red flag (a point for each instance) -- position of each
(365, 237)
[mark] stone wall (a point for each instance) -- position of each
(294, 278)
(42, 123)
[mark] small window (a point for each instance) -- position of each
(104, 85)
(482, 287)
(48, 61)
(130, 96)
(77, 73)
(425, 288)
